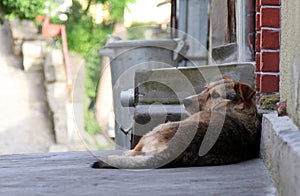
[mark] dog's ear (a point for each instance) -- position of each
(223, 80)
(226, 78)
(245, 91)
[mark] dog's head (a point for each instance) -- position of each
(223, 93)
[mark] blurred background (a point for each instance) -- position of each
(98, 74)
(55, 92)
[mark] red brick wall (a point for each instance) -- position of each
(267, 45)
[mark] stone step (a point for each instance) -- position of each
(70, 174)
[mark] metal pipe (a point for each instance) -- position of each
(173, 19)
(241, 29)
(67, 58)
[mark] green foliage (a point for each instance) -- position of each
(92, 74)
(140, 30)
(83, 34)
(22, 9)
(86, 38)
(90, 124)
(116, 8)
(93, 70)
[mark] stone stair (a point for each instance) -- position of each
(25, 125)
(71, 174)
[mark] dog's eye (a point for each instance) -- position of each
(215, 95)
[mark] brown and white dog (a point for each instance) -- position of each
(223, 128)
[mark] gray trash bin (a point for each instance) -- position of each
(126, 57)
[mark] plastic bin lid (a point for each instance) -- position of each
(164, 43)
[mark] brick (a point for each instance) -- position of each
(257, 5)
(269, 61)
(257, 22)
(268, 83)
(257, 62)
(269, 39)
(270, 2)
(257, 41)
(270, 17)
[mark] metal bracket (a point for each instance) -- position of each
(127, 98)
(126, 131)
(178, 49)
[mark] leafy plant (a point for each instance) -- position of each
(86, 38)
(90, 124)
(116, 8)
(138, 30)
(83, 34)
(21, 9)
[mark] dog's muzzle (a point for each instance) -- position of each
(187, 102)
(190, 104)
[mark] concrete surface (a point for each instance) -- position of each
(70, 174)
(24, 30)
(33, 55)
(290, 58)
(54, 68)
(280, 150)
(25, 125)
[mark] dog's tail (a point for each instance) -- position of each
(128, 162)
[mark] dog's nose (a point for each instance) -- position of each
(187, 102)
(231, 97)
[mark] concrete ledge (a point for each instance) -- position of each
(33, 55)
(70, 174)
(280, 150)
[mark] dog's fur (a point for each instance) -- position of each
(223, 128)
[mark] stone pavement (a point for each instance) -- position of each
(70, 174)
(25, 126)
(33, 114)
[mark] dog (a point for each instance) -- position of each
(223, 128)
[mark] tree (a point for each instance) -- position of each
(21, 9)
(116, 8)
(83, 34)
(18, 9)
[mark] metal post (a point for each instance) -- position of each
(67, 58)
(241, 30)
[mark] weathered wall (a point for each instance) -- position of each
(280, 152)
(290, 58)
